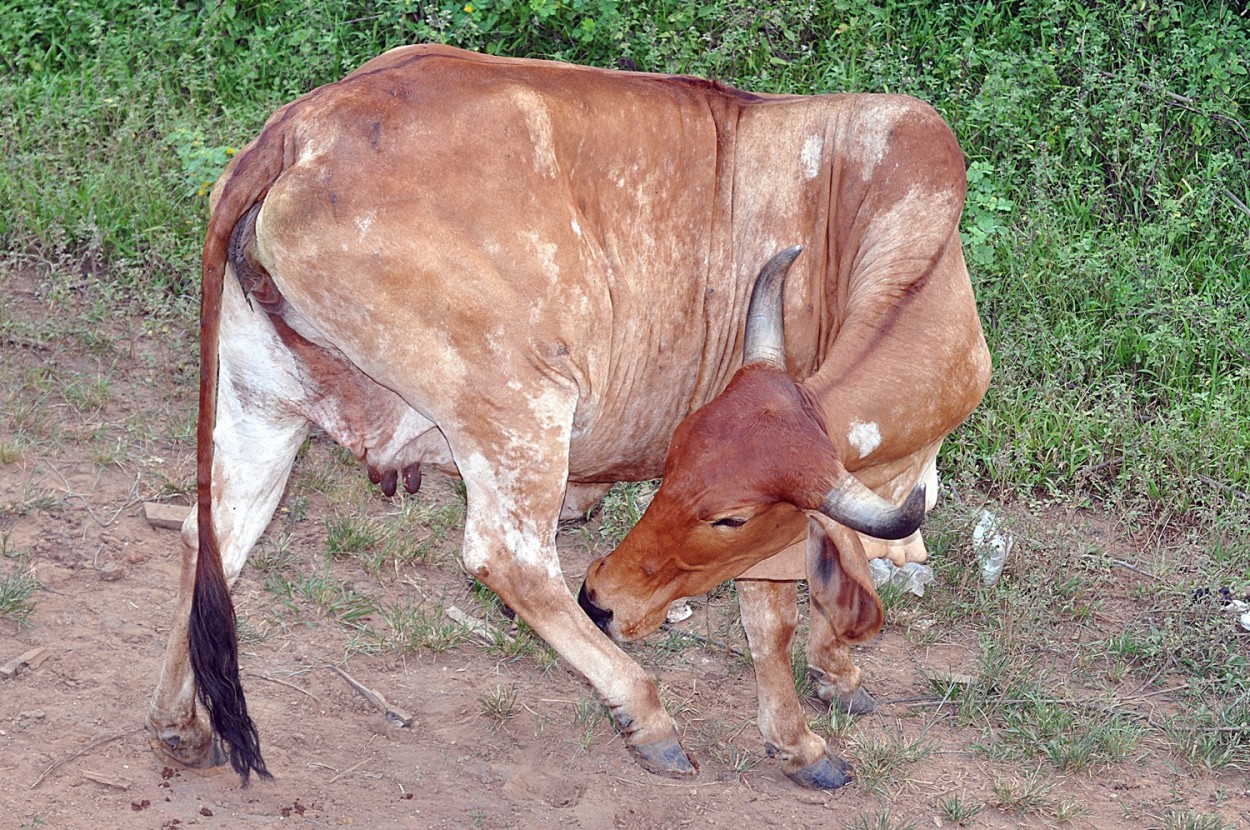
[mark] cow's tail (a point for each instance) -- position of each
(212, 637)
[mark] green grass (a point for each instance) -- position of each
(883, 759)
(959, 809)
(1183, 820)
(498, 705)
(17, 591)
(882, 820)
(412, 627)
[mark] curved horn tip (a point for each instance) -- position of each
(782, 260)
(860, 509)
(904, 520)
(912, 511)
(764, 338)
(790, 254)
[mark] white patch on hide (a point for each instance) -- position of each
(813, 147)
(255, 437)
(872, 132)
(497, 518)
(546, 255)
(538, 122)
(864, 437)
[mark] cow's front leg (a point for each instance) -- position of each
(769, 617)
(509, 544)
(845, 609)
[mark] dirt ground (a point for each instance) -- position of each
(74, 753)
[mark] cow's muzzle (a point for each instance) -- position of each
(597, 615)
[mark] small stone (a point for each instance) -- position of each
(110, 572)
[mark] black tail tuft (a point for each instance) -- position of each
(215, 660)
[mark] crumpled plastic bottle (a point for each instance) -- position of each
(991, 547)
(913, 576)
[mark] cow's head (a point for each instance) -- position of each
(742, 474)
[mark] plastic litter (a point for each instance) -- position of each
(1236, 604)
(913, 576)
(679, 610)
(991, 547)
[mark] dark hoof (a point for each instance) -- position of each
(665, 758)
(825, 774)
(858, 702)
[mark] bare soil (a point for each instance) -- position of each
(74, 753)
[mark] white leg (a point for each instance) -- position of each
(255, 439)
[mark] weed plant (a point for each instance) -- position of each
(17, 589)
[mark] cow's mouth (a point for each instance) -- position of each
(597, 615)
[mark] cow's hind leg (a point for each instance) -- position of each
(769, 617)
(255, 440)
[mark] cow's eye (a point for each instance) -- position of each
(729, 521)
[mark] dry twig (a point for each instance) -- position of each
(31, 659)
(480, 628)
(107, 780)
(1228, 488)
(97, 742)
(348, 771)
(393, 713)
(300, 689)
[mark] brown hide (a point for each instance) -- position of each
(535, 271)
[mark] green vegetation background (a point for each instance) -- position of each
(1107, 225)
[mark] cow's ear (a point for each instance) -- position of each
(839, 580)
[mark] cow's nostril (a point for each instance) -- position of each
(597, 615)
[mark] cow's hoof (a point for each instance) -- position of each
(858, 702)
(665, 758)
(192, 746)
(826, 774)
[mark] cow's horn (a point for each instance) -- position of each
(851, 503)
(765, 340)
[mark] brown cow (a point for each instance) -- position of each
(531, 273)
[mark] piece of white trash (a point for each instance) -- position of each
(991, 547)
(678, 611)
(913, 576)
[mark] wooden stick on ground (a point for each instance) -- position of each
(301, 689)
(107, 780)
(31, 659)
(481, 629)
(349, 770)
(393, 713)
(97, 742)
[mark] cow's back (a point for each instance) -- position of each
(481, 216)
